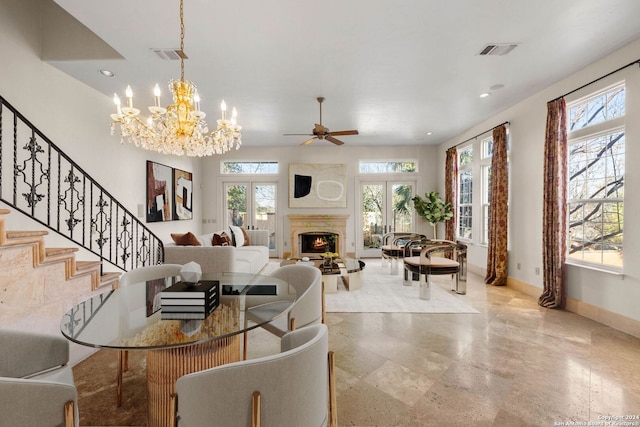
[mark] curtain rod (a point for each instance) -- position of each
(474, 137)
(637, 61)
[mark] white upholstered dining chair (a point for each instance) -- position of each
(36, 383)
(292, 388)
(307, 309)
(142, 274)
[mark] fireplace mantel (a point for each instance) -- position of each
(299, 223)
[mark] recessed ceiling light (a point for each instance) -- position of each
(428, 133)
(107, 73)
(484, 95)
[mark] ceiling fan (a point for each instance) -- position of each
(321, 132)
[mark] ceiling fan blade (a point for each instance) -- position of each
(308, 141)
(344, 132)
(334, 140)
(297, 134)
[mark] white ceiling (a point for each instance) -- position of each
(394, 70)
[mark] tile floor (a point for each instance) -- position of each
(514, 364)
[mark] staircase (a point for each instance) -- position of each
(39, 284)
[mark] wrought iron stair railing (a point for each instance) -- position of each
(39, 180)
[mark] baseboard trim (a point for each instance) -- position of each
(590, 311)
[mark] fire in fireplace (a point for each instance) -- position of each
(317, 243)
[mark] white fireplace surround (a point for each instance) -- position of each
(299, 224)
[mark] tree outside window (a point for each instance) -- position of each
(596, 167)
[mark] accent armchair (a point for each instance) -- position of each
(436, 257)
(293, 388)
(36, 384)
(308, 307)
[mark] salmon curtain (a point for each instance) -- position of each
(498, 211)
(554, 215)
(450, 191)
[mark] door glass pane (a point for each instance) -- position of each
(372, 219)
(401, 202)
(236, 204)
(264, 212)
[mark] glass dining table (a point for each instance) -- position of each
(130, 318)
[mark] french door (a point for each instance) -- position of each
(252, 205)
(385, 206)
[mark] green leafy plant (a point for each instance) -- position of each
(433, 209)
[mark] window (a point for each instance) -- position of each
(465, 193)
(239, 168)
(474, 173)
(595, 194)
(388, 167)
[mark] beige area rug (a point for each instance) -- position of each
(382, 292)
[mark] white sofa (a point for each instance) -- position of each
(222, 259)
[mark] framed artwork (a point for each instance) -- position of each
(183, 194)
(159, 192)
(317, 185)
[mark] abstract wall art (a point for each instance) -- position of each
(169, 193)
(159, 192)
(317, 185)
(183, 190)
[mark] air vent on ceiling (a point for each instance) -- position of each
(170, 54)
(497, 49)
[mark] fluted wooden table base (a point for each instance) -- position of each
(164, 367)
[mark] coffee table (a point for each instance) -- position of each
(120, 319)
(349, 270)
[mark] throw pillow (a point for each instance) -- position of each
(187, 239)
(237, 236)
(226, 240)
(246, 237)
(221, 239)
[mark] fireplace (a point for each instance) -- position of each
(317, 242)
(321, 226)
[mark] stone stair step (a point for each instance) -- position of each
(66, 255)
(91, 268)
(24, 237)
(110, 279)
(87, 266)
(59, 251)
(34, 238)
(59, 254)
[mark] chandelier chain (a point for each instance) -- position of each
(181, 40)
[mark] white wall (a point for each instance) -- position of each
(76, 118)
(618, 294)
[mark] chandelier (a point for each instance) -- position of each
(180, 128)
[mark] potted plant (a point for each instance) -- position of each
(433, 209)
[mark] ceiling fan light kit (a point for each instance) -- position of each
(321, 132)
